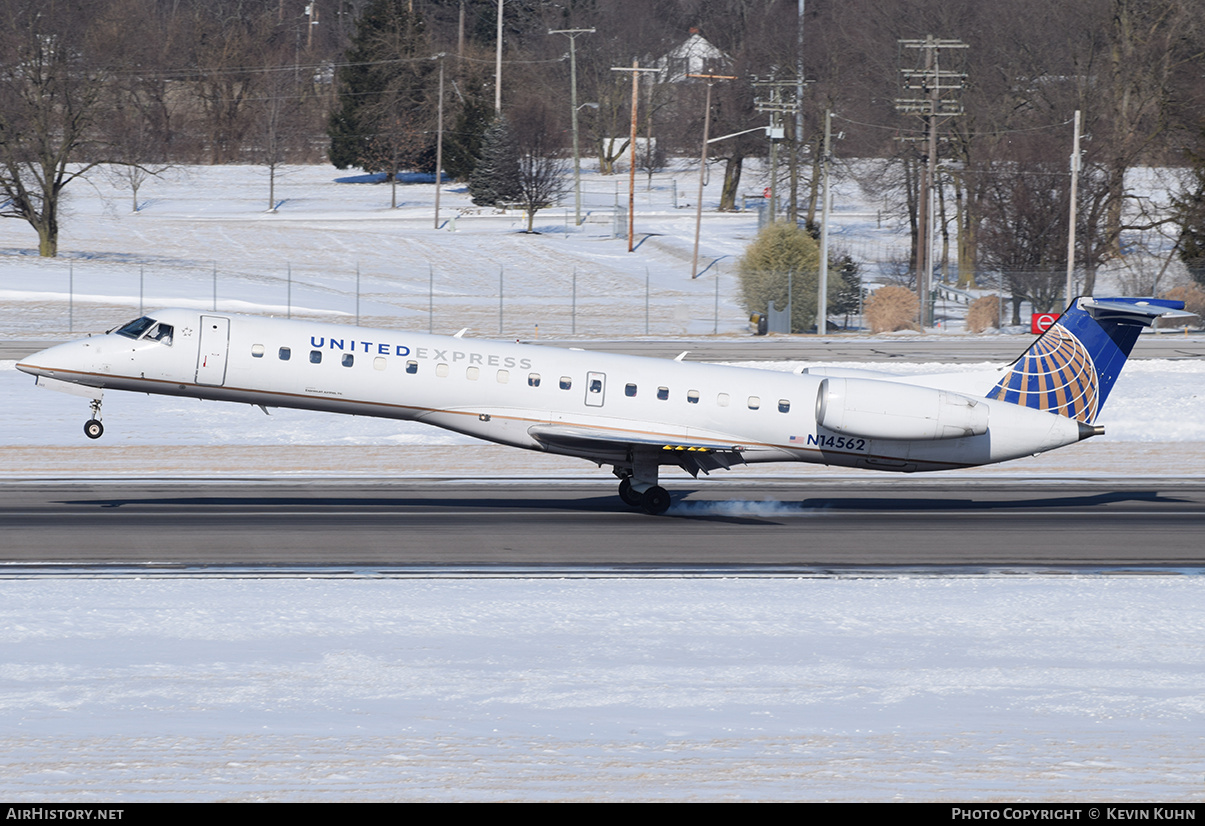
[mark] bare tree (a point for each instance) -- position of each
(278, 128)
(228, 41)
(52, 96)
(541, 167)
(1024, 228)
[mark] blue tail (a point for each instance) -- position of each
(1071, 368)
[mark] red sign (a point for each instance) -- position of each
(1041, 322)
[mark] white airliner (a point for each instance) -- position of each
(634, 414)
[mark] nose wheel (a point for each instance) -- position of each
(93, 429)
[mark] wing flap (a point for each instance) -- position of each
(692, 456)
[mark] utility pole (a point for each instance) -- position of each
(635, 70)
(439, 138)
(1075, 164)
(781, 102)
(460, 32)
(498, 66)
(797, 143)
(935, 105)
(711, 79)
(577, 161)
(825, 210)
(311, 11)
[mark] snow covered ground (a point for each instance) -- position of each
(196, 223)
(585, 688)
(421, 685)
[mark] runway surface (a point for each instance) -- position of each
(559, 524)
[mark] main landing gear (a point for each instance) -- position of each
(654, 501)
(638, 487)
(93, 429)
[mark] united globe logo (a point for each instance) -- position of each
(1056, 375)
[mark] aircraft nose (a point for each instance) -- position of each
(61, 361)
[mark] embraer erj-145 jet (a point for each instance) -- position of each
(634, 414)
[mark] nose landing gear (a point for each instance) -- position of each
(93, 429)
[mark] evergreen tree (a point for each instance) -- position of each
(495, 178)
(462, 143)
(385, 93)
(846, 300)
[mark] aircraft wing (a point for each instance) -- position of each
(691, 455)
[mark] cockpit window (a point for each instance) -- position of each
(149, 329)
(136, 328)
(161, 333)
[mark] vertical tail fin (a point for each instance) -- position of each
(1071, 368)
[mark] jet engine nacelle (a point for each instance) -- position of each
(886, 410)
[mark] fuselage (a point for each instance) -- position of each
(598, 406)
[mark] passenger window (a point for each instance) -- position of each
(257, 351)
(315, 357)
(784, 405)
(378, 363)
(595, 385)
(722, 400)
(629, 390)
(348, 359)
(692, 396)
(503, 376)
(412, 367)
(472, 373)
(533, 379)
(663, 393)
(754, 402)
(441, 369)
(566, 382)
(285, 353)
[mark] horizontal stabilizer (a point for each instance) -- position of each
(1129, 311)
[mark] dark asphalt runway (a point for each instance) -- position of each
(897, 522)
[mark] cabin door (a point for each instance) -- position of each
(596, 389)
(211, 357)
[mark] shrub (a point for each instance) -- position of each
(983, 313)
(892, 308)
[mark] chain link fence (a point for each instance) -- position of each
(74, 297)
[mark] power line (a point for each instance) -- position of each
(987, 134)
